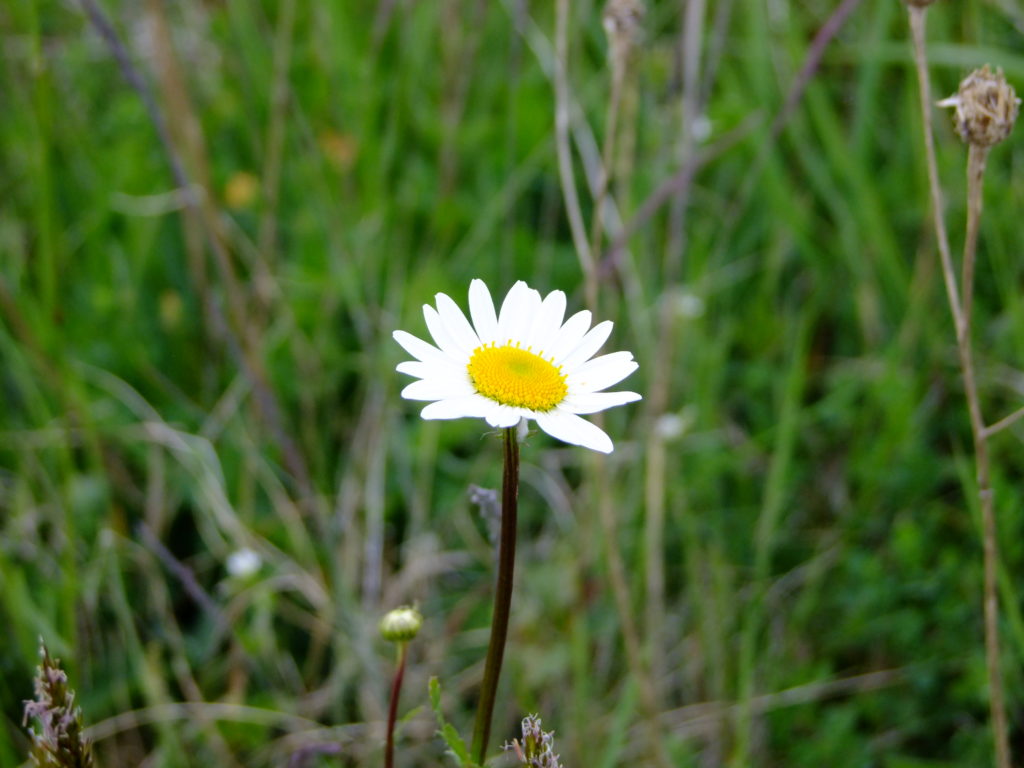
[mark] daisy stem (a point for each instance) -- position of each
(502, 596)
(396, 691)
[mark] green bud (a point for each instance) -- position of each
(401, 625)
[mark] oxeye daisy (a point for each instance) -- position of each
(523, 362)
(506, 367)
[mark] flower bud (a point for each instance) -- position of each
(401, 625)
(986, 107)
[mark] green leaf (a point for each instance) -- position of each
(456, 746)
(435, 697)
(412, 714)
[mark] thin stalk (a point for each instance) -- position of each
(924, 85)
(274, 145)
(396, 691)
(502, 596)
(1004, 422)
(997, 699)
(611, 127)
(587, 254)
(691, 36)
(638, 666)
(976, 158)
(960, 307)
(690, 40)
(564, 152)
(997, 703)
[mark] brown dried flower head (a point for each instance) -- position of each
(986, 107)
(623, 23)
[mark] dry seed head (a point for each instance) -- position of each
(624, 17)
(986, 107)
(58, 739)
(401, 625)
(623, 23)
(537, 749)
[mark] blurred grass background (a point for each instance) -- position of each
(793, 500)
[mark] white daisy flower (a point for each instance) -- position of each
(243, 563)
(521, 363)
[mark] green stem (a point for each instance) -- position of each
(396, 691)
(502, 596)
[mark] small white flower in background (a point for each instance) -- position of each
(520, 363)
(686, 304)
(243, 563)
(701, 128)
(671, 426)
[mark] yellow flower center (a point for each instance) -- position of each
(518, 377)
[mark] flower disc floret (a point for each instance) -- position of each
(518, 377)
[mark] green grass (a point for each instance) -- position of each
(819, 523)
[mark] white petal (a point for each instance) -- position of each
(569, 336)
(590, 343)
(458, 407)
(481, 308)
(436, 389)
(420, 349)
(509, 308)
(457, 324)
(517, 313)
(601, 372)
(571, 429)
(547, 322)
(448, 372)
(441, 335)
(504, 416)
(534, 302)
(592, 402)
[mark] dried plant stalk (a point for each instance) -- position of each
(986, 108)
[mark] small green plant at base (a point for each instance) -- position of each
(456, 746)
